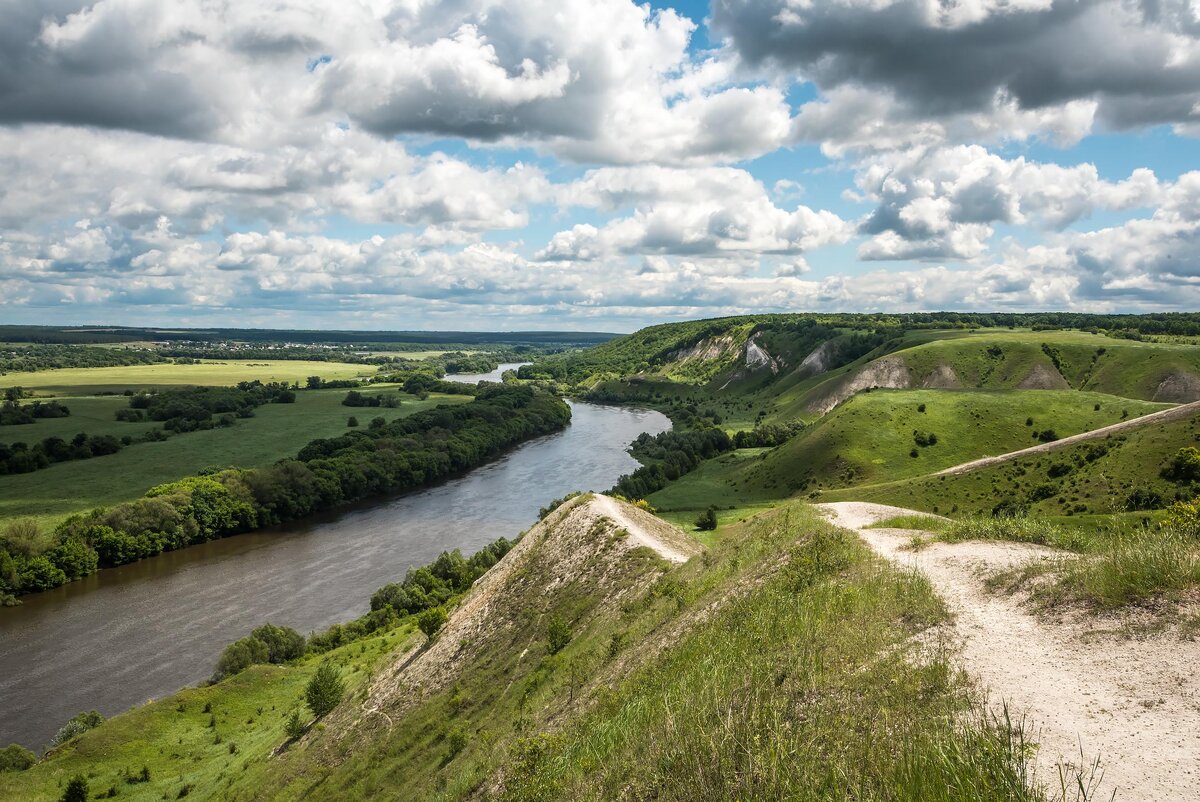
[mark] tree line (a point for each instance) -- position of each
(401, 455)
(667, 456)
(35, 357)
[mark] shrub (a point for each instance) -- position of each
(924, 439)
(352, 421)
(76, 790)
(294, 726)
(1144, 499)
(240, 655)
(77, 725)
(431, 621)
(707, 521)
(920, 407)
(1184, 518)
(1184, 466)
(1059, 469)
(324, 690)
(558, 635)
(41, 574)
(15, 757)
(283, 643)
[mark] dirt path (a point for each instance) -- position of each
(1164, 416)
(1132, 703)
(646, 530)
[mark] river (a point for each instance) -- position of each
(142, 631)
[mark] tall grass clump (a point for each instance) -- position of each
(921, 523)
(1135, 567)
(1018, 529)
(811, 686)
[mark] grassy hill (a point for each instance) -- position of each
(873, 437)
(692, 681)
(1085, 479)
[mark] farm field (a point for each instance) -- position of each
(84, 381)
(276, 431)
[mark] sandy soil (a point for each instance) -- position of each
(1163, 416)
(1086, 693)
(647, 530)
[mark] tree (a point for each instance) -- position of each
(283, 643)
(240, 655)
(431, 621)
(324, 690)
(294, 726)
(76, 791)
(15, 757)
(352, 421)
(708, 520)
(558, 635)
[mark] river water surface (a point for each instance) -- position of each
(142, 631)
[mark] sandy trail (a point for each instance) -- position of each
(1180, 412)
(1134, 704)
(646, 530)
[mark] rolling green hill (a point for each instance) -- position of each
(873, 438)
(1098, 477)
(665, 681)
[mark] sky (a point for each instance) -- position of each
(593, 164)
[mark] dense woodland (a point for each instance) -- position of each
(48, 357)
(401, 455)
(667, 456)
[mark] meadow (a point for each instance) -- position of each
(225, 372)
(276, 431)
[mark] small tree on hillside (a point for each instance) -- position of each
(324, 690)
(76, 790)
(558, 635)
(708, 520)
(431, 621)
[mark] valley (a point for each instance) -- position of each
(737, 605)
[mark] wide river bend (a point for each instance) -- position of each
(125, 635)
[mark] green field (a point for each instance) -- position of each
(1096, 478)
(172, 737)
(276, 431)
(225, 372)
(870, 439)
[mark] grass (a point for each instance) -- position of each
(1073, 485)
(786, 663)
(276, 431)
(1135, 568)
(921, 523)
(1018, 529)
(809, 687)
(870, 439)
(172, 737)
(89, 381)
(91, 414)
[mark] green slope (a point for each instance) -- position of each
(1090, 478)
(870, 439)
(699, 681)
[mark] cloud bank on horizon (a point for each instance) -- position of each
(593, 164)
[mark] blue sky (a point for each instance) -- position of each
(592, 165)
